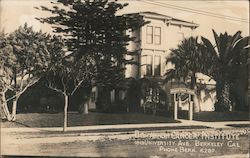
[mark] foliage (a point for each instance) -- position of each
(29, 48)
(229, 53)
(188, 59)
(93, 28)
(7, 61)
(67, 73)
(27, 58)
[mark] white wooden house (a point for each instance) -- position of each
(156, 39)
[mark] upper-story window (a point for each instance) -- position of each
(157, 35)
(153, 35)
(149, 32)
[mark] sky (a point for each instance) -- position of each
(14, 13)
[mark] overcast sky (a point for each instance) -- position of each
(16, 12)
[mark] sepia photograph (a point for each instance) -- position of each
(124, 78)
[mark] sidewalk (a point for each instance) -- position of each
(184, 123)
(232, 156)
(213, 124)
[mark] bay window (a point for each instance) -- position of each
(157, 65)
(149, 65)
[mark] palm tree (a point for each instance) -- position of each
(188, 59)
(224, 58)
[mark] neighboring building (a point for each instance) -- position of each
(154, 40)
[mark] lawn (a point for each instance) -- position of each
(221, 116)
(75, 119)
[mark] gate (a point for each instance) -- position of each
(183, 96)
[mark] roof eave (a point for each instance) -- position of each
(186, 24)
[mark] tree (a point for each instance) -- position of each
(67, 75)
(66, 72)
(188, 60)
(92, 27)
(7, 61)
(30, 52)
(225, 56)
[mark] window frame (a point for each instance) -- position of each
(157, 35)
(149, 65)
(149, 35)
(157, 66)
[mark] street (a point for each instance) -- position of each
(120, 144)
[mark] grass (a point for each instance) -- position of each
(75, 119)
(221, 116)
(95, 118)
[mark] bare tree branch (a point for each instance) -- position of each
(49, 85)
(19, 93)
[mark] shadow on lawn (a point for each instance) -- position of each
(22, 124)
(221, 116)
(238, 125)
(13, 123)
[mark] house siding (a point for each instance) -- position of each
(172, 33)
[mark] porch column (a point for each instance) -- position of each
(175, 107)
(190, 111)
(179, 104)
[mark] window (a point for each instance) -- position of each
(93, 96)
(149, 94)
(157, 35)
(153, 35)
(149, 64)
(157, 65)
(153, 94)
(149, 34)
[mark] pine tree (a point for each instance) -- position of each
(93, 27)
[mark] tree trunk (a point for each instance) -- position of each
(104, 98)
(196, 103)
(99, 98)
(223, 97)
(226, 97)
(107, 99)
(86, 108)
(14, 108)
(195, 98)
(4, 106)
(66, 103)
